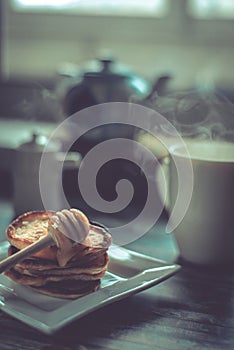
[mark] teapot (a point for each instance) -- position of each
(105, 81)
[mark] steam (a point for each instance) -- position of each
(42, 106)
(195, 115)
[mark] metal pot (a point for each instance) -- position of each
(27, 157)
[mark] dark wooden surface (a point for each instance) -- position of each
(192, 310)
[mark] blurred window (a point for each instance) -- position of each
(211, 9)
(133, 8)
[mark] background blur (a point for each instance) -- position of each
(190, 42)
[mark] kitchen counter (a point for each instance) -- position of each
(13, 132)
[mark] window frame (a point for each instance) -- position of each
(144, 10)
(211, 9)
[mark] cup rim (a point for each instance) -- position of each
(175, 151)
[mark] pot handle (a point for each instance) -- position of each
(165, 164)
(71, 160)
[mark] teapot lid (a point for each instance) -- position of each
(108, 69)
(37, 144)
(104, 67)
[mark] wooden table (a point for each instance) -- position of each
(192, 310)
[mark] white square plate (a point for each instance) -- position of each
(128, 273)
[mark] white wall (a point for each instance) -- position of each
(194, 52)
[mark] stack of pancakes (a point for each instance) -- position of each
(81, 274)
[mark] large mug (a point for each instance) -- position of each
(205, 234)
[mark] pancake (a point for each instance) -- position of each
(27, 229)
(84, 265)
(33, 268)
(74, 292)
(36, 272)
(31, 226)
(38, 264)
(42, 280)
